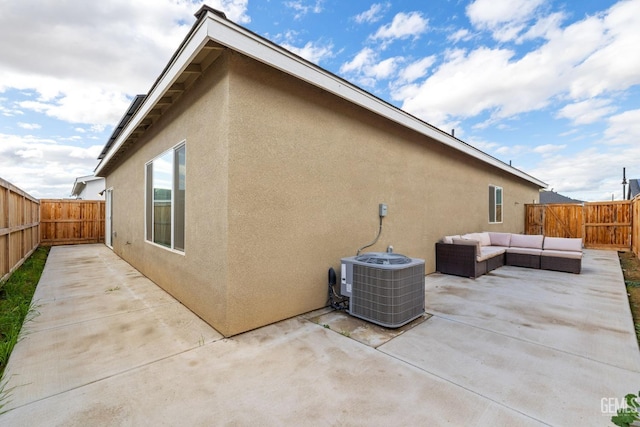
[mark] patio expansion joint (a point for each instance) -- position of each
(534, 343)
(470, 390)
(79, 322)
(117, 374)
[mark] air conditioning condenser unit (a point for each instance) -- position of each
(384, 288)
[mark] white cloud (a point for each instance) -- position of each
(312, 51)
(585, 112)
(384, 69)
(43, 167)
(504, 18)
(577, 177)
(404, 25)
(367, 69)
(29, 126)
(82, 104)
(362, 59)
(587, 58)
(624, 128)
(119, 47)
(546, 27)
(548, 149)
(302, 8)
(613, 65)
(373, 14)
(462, 34)
(417, 69)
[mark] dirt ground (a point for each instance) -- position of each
(631, 270)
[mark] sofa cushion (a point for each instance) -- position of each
(483, 238)
(524, 251)
(533, 241)
(487, 252)
(562, 254)
(468, 242)
(449, 239)
(562, 244)
(500, 239)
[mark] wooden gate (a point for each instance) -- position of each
(608, 225)
(601, 225)
(69, 222)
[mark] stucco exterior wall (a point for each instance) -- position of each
(283, 180)
(197, 277)
(307, 171)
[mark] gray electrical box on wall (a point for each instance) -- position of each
(382, 209)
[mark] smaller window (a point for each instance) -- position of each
(495, 204)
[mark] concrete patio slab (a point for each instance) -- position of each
(291, 373)
(111, 348)
(97, 316)
(584, 314)
(364, 332)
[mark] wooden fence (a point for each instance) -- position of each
(19, 227)
(600, 225)
(635, 227)
(70, 222)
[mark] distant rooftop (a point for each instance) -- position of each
(549, 197)
(634, 188)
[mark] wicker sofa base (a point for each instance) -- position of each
(523, 260)
(567, 265)
(460, 260)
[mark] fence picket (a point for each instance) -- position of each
(19, 227)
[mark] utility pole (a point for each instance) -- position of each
(624, 183)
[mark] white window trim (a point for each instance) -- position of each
(495, 204)
(146, 198)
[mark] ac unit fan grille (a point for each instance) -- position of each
(388, 297)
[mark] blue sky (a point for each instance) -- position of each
(552, 87)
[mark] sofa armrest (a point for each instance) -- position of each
(459, 260)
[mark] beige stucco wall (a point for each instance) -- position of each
(198, 278)
(283, 180)
(307, 171)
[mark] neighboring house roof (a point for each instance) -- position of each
(210, 35)
(81, 182)
(634, 188)
(548, 197)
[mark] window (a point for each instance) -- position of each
(495, 204)
(165, 198)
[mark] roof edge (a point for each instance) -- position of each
(212, 24)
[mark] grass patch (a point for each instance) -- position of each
(16, 306)
(631, 270)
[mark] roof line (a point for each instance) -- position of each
(213, 25)
(133, 107)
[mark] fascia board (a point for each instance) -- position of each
(237, 38)
(189, 50)
(78, 186)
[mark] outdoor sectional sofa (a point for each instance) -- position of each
(475, 254)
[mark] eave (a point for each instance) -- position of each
(211, 33)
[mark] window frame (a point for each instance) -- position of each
(149, 212)
(496, 193)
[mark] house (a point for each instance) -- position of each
(88, 188)
(550, 197)
(247, 172)
(634, 189)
